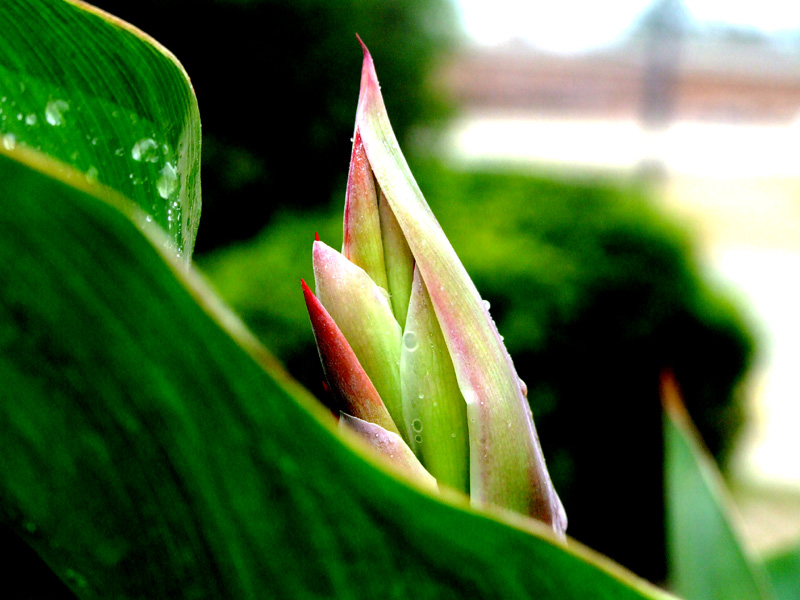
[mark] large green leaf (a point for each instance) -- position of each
(783, 569)
(96, 93)
(707, 558)
(147, 451)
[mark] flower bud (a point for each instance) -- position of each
(414, 320)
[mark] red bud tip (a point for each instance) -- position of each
(346, 378)
(316, 236)
(306, 290)
(363, 45)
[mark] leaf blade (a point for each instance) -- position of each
(707, 556)
(157, 459)
(98, 94)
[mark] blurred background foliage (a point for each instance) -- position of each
(595, 291)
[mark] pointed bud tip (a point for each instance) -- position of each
(363, 46)
(369, 83)
(316, 236)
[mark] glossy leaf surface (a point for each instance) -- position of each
(147, 454)
(96, 93)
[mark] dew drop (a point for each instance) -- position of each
(486, 304)
(452, 435)
(149, 219)
(54, 112)
(145, 150)
(421, 396)
(30, 119)
(75, 578)
(119, 152)
(410, 341)
(416, 424)
(418, 439)
(9, 141)
(19, 116)
(91, 174)
(167, 182)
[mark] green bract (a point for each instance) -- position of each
(416, 330)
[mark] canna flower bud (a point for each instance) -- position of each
(408, 347)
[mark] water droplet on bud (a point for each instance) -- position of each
(410, 341)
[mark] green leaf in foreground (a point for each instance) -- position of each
(706, 555)
(147, 454)
(783, 569)
(96, 93)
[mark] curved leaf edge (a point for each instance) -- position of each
(192, 214)
(197, 287)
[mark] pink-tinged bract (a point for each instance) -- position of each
(507, 467)
(346, 378)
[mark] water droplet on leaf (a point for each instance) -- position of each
(145, 150)
(54, 112)
(75, 578)
(167, 182)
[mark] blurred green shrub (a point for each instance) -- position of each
(595, 292)
(276, 139)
